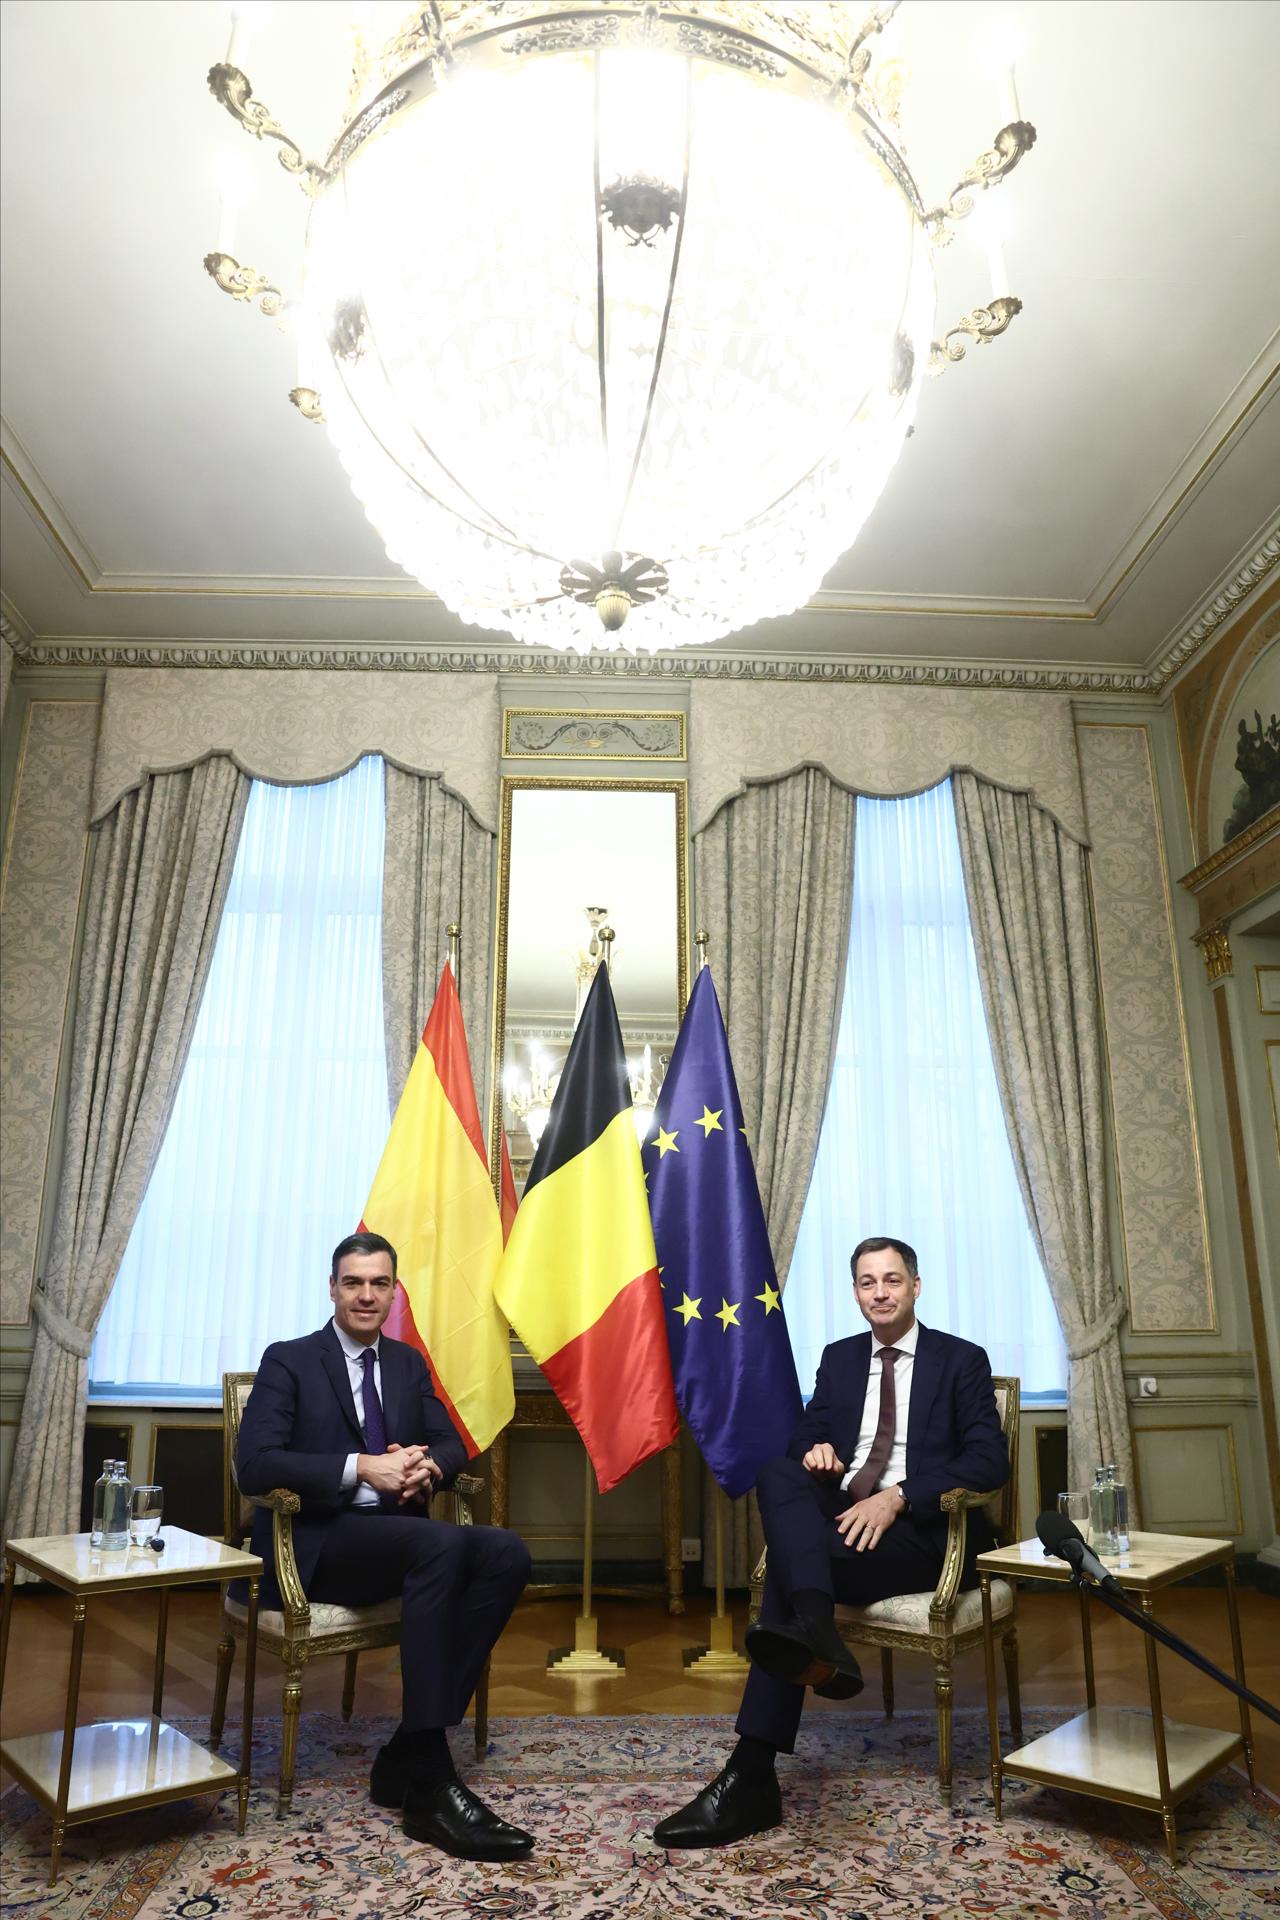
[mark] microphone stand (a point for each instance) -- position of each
(1176, 1645)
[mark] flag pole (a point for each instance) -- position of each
(719, 1656)
(454, 932)
(586, 1656)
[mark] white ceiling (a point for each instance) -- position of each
(1074, 493)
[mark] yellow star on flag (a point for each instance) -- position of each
(666, 1142)
(770, 1298)
(688, 1309)
(728, 1314)
(710, 1122)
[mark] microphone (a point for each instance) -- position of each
(1063, 1539)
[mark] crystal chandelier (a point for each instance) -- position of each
(617, 312)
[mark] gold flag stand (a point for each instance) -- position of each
(720, 1656)
(585, 1657)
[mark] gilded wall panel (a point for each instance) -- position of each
(1162, 1203)
(39, 906)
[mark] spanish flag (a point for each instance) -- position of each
(433, 1200)
(579, 1279)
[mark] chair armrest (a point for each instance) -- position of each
(462, 1492)
(279, 1500)
(467, 1483)
(281, 1503)
(961, 1498)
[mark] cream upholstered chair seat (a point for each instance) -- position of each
(327, 1618)
(304, 1630)
(947, 1621)
(910, 1611)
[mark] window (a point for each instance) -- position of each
(913, 1140)
(281, 1115)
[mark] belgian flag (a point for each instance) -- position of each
(579, 1279)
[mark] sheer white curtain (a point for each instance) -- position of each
(282, 1112)
(913, 1141)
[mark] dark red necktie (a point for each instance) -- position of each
(864, 1481)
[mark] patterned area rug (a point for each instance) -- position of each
(865, 1838)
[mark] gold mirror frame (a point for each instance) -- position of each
(512, 784)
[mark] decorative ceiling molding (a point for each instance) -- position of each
(1224, 602)
(349, 657)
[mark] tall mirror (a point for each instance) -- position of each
(577, 857)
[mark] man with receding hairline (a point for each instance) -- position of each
(348, 1419)
(898, 1417)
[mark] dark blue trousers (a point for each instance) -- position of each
(806, 1550)
(457, 1588)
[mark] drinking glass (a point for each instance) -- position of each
(144, 1517)
(1074, 1506)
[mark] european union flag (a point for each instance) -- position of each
(730, 1354)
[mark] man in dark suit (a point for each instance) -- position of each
(347, 1418)
(898, 1417)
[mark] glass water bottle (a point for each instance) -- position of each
(117, 1496)
(99, 1498)
(1102, 1513)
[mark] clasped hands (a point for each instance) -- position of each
(408, 1472)
(864, 1523)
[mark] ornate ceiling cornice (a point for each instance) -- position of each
(338, 656)
(1223, 604)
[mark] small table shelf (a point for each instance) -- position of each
(78, 1773)
(1112, 1753)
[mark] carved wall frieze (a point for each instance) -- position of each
(1220, 608)
(345, 656)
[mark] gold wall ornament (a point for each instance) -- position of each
(244, 283)
(307, 401)
(988, 170)
(983, 325)
(232, 89)
(1215, 950)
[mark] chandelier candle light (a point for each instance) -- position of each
(617, 313)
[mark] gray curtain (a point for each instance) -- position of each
(773, 873)
(437, 868)
(162, 862)
(1028, 889)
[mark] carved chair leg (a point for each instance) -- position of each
(226, 1655)
(1009, 1642)
(482, 1714)
(349, 1686)
(886, 1680)
(291, 1706)
(943, 1694)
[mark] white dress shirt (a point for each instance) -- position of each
(353, 1352)
(903, 1368)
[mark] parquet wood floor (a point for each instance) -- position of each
(118, 1656)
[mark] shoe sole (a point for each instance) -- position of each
(786, 1659)
(692, 1844)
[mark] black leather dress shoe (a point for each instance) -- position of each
(808, 1656)
(729, 1809)
(388, 1778)
(450, 1817)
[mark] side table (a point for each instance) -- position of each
(80, 1773)
(1110, 1753)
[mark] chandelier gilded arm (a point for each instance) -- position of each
(982, 325)
(244, 283)
(233, 90)
(988, 170)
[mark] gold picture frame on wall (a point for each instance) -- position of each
(541, 860)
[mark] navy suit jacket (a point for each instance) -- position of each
(953, 1429)
(300, 1424)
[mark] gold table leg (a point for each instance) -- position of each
(1237, 1653)
(246, 1723)
(1157, 1728)
(68, 1737)
(162, 1634)
(1086, 1641)
(993, 1706)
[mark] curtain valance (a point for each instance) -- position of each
(295, 728)
(882, 741)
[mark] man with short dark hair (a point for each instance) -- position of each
(348, 1419)
(898, 1417)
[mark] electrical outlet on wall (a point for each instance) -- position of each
(1148, 1386)
(690, 1550)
